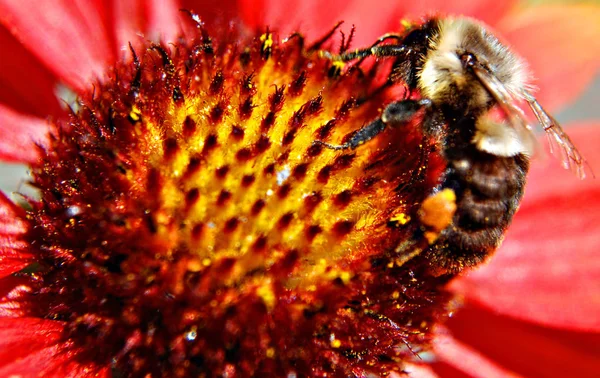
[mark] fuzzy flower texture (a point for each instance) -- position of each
(187, 224)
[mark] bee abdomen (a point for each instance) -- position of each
(488, 175)
(475, 211)
(459, 248)
(489, 190)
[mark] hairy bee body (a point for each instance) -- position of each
(465, 77)
(488, 191)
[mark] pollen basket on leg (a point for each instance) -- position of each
(189, 190)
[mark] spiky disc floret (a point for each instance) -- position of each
(189, 226)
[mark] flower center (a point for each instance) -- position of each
(188, 223)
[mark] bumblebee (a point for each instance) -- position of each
(465, 77)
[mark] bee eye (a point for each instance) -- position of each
(468, 60)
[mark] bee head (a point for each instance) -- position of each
(446, 76)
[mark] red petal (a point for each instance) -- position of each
(459, 360)
(15, 296)
(12, 250)
(163, 20)
(32, 92)
(67, 36)
(12, 257)
(312, 18)
(15, 333)
(548, 269)
(488, 11)
(562, 45)
(138, 20)
(128, 23)
(21, 338)
(417, 371)
(253, 12)
(526, 349)
(34, 347)
(216, 12)
(373, 21)
(315, 18)
(18, 135)
(10, 224)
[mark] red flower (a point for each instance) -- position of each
(533, 311)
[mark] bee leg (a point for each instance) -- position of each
(403, 111)
(375, 50)
(395, 114)
(380, 40)
(361, 136)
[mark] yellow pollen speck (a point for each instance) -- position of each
(406, 24)
(335, 343)
(345, 277)
(267, 40)
(270, 352)
(194, 266)
(401, 218)
(395, 295)
(206, 262)
(431, 236)
(266, 293)
(339, 64)
(342, 275)
(135, 114)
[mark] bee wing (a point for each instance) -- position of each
(506, 101)
(571, 157)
